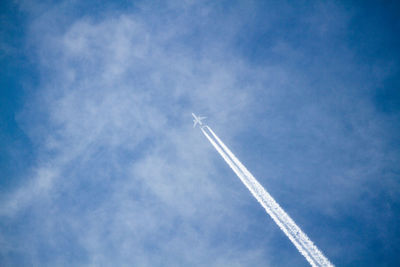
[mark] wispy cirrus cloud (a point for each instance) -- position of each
(121, 177)
(116, 96)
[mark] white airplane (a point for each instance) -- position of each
(197, 120)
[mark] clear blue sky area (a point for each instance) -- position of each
(100, 165)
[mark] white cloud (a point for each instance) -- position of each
(129, 179)
(122, 177)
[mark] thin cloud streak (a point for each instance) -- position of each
(305, 246)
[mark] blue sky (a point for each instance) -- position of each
(100, 164)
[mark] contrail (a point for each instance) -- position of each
(281, 218)
(266, 198)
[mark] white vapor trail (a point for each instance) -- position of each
(305, 246)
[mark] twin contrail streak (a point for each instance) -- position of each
(305, 246)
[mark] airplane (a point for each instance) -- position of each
(197, 120)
